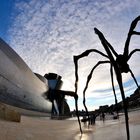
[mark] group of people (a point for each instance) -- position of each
(91, 119)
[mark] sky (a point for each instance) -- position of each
(48, 33)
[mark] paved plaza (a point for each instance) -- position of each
(44, 129)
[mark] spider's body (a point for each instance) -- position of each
(119, 64)
(121, 61)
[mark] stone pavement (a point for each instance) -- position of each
(31, 128)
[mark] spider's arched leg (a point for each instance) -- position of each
(112, 81)
(119, 79)
(76, 87)
(87, 52)
(111, 48)
(105, 43)
(87, 82)
(106, 46)
(130, 33)
(118, 76)
(76, 58)
(131, 53)
(134, 78)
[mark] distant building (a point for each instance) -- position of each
(103, 108)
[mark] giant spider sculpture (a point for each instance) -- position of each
(118, 62)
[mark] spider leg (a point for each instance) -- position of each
(106, 46)
(87, 82)
(87, 52)
(134, 78)
(112, 81)
(118, 76)
(130, 33)
(132, 52)
(101, 36)
(129, 56)
(77, 113)
(76, 95)
(119, 79)
(76, 58)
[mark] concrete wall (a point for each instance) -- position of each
(9, 114)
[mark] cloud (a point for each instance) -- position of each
(47, 35)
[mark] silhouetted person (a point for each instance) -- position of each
(103, 116)
(84, 120)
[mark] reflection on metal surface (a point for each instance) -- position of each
(25, 90)
(19, 86)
